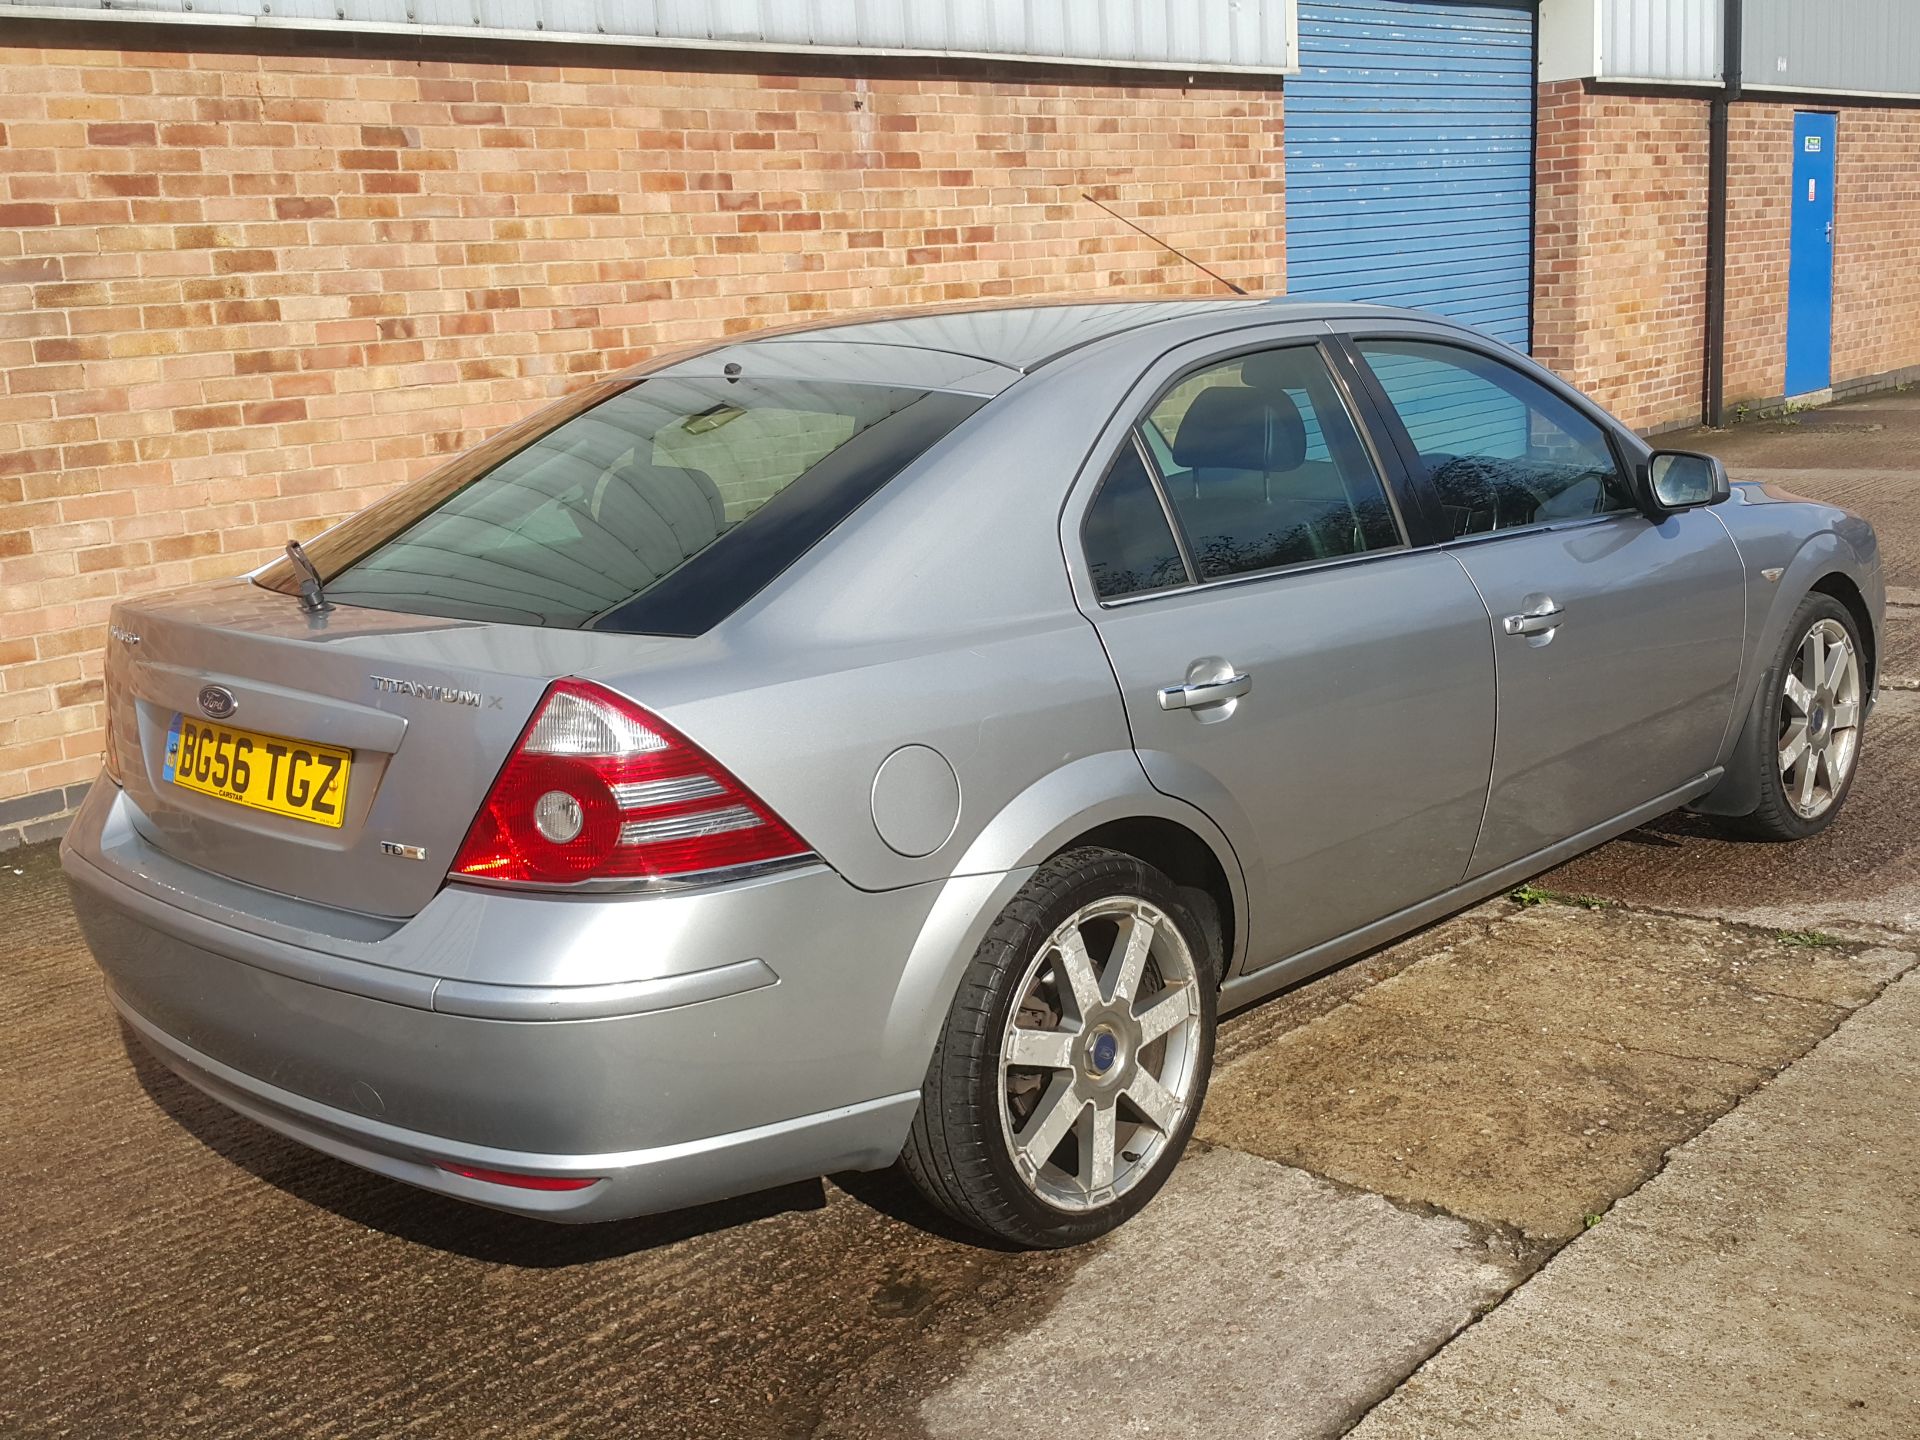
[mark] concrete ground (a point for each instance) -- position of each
(1637, 1157)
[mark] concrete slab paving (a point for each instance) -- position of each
(1764, 1284)
(1262, 1301)
(1533, 1072)
(1900, 645)
(1253, 1029)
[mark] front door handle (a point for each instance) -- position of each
(1538, 620)
(1206, 692)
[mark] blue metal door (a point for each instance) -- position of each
(1810, 254)
(1409, 140)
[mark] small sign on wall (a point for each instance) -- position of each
(1813, 144)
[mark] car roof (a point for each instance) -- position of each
(1023, 337)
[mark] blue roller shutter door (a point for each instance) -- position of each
(1409, 143)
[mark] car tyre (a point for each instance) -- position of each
(1806, 750)
(1071, 1068)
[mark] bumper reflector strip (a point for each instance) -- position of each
(519, 1182)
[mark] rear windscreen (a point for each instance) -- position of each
(659, 507)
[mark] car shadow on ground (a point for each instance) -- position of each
(1671, 832)
(891, 1194)
(425, 1218)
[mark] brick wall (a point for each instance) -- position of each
(243, 293)
(1759, 200)
(1876, 282)
(1876, 327)
(1621, 248)
(1620, 273)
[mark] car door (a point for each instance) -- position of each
(1289, 665)
(1617, 637)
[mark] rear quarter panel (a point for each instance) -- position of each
(940, 615)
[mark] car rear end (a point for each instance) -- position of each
(420, 879)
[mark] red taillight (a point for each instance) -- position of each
(520, 1182)
(597, 789)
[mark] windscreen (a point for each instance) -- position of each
(660, 507)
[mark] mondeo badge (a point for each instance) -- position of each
(217, 701)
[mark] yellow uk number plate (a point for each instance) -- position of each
(296, 778)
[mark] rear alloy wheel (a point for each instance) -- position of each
(1073, 1063)
(1812, 739)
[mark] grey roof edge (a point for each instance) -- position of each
(927, 320)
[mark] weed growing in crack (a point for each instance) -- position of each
(1810, 939)
(1529, 895)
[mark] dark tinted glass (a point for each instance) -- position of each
(1130, 546)
(1264, 467)
(660, 507)
(1499, 448)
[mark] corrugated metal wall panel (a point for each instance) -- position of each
(1673, 40)
(1845, 46)
(1251, 35)
(1409, 139)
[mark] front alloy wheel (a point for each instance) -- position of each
(1072, 1065)
(1802, 743)
(1820, 706)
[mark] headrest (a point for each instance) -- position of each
(1241, 427)
(1273, 369)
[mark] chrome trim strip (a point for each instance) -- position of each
(1384, 552)
(639, 886)
(642, 794)
(1539, 527)
(687, 827)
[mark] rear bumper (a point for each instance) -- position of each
(632, 1182)
(680, 1049)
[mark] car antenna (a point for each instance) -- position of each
(1161, 243)
(313, 596)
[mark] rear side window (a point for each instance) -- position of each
(1264, 468)
(659, 508)
(1130, 547)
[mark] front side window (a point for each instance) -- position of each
(1264, 468)
(1499, 449)
(657, 508)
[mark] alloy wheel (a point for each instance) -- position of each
(1099, 1058)
(1820, 703)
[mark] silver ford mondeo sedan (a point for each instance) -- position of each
(898, 741)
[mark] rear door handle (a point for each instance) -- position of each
(1206, 692)
(1541, 618)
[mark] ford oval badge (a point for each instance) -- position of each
(217, 701)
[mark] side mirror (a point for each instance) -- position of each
(1683, 480)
